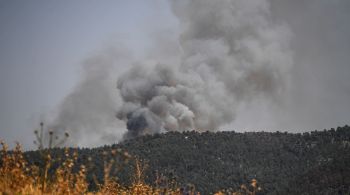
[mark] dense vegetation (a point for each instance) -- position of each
(283, 163)
(315, 162)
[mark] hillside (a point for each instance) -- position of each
(283, 163)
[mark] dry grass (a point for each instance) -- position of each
(17, 177)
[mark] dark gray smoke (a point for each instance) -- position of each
(231, 52)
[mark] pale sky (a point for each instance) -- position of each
(42, 46)
(44, 42)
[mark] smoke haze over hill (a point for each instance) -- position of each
(230, 53)
(234, 65)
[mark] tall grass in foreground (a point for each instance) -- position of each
(18, 177)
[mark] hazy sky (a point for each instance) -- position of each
(43, 45)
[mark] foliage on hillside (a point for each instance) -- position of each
(283, 163)
(59, 175)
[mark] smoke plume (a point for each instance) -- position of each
(231, 52)
(228, 53)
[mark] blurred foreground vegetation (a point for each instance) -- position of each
(190, 162)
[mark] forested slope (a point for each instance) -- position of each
(283, 163)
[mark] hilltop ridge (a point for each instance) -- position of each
(283, 163)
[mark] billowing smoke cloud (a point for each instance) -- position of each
(232, 52)
(228, 53)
